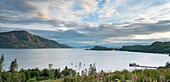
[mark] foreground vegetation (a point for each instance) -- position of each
(161, 74)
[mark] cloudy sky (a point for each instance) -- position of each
(111, 23)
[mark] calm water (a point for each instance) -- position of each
(106, 60)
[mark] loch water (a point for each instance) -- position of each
(104, 60)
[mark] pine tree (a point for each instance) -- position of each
(14, 66)
(1, 62)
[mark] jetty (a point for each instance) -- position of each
(135, 65)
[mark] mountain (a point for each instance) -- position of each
(23, 39)
(102, 48)
(156, 47)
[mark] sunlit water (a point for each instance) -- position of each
(105, 60)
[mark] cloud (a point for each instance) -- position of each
(28, 12)
(163, 22)
(17, 6)
(159, 35)
(111, 30)
(43, 15)
(142, 18)
(88, 5)
(80, 10)
(58, 34)
(107, 34)
(88, 42)
(106, 12)
(97, 20)
(132, 11)
(88, 25)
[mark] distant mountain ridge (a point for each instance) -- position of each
(156, 47)
(23, 39)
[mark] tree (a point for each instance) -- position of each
(7, 76)
(1, 62)
(1, 66)
(92, 69)
(50, 66)
(28, 74)
(57, 73)
(80, 66)
(68, 72)
(23, 77)
(45, 73)
(16, 77)
(167, 65)
(14, 66)
(32, 80)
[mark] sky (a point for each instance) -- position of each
(111, 23)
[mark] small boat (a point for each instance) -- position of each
(133, 64)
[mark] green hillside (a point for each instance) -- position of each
(156, 47)
(23, 39)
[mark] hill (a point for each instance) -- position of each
(23, 39)
(156, 47)
(102, 48)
